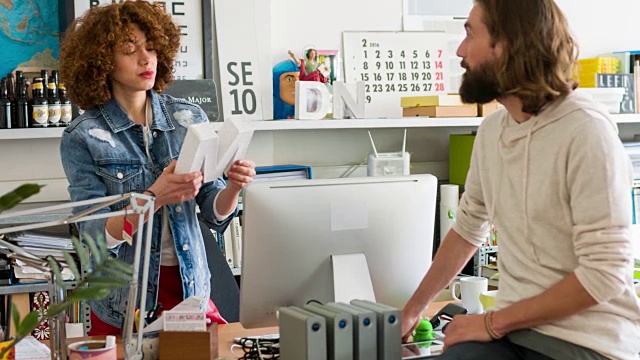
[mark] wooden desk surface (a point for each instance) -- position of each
(226, 333)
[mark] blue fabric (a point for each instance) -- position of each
(282, 110)
(103, 154)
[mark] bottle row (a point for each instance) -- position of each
(44, 108)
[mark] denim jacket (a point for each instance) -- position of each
(103, 154)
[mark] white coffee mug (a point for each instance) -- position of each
(470, 290)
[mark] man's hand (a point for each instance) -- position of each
(172, 188)
(410, 321)
(465, 328)
(240, 174)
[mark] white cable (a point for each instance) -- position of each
(351, 169)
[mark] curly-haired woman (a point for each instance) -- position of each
(115, 60)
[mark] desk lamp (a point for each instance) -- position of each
(144, 208)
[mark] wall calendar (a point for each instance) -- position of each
(397, 64)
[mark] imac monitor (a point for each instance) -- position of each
(303, 237)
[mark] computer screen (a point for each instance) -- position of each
(301, 237)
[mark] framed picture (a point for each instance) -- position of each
(195, 19)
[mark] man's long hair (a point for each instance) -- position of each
(539, 53)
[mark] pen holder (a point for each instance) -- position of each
(200, 345)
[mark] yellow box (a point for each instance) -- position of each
(486, 109)
(431, 100)
(441, 111)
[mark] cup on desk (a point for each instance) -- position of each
(470, 290)
(488, 299)
(93, 349)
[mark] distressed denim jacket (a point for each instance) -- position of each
(103, 153)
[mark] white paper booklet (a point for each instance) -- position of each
(213, 153)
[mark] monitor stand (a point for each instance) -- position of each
(351, 278)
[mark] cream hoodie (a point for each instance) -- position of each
(558, 189)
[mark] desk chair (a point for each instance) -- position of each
(225, 292)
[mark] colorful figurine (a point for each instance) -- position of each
(285, 75)
(310, 68)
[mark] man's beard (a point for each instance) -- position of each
(479, 85)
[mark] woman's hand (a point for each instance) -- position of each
(172, 188)
(240, 174)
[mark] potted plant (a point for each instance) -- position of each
(100, 274)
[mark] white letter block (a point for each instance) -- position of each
(342, 96)
(313, 100)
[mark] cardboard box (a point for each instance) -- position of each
(486, 109)
(441, 111)
(431, 100)
(192, 345)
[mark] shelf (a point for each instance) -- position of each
(44, 133)
(31, 288)
(24, 219)
(327, 124)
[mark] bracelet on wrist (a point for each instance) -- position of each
(488, 325)
(150, 192)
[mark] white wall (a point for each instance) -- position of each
(599, 26)
(296, 23)
(603, 26)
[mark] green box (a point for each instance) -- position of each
(460, 148)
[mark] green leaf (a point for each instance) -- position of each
(16, 316)
(89, 293)
(83, 254)
(114, 273)
(102, 247)
(13, 198)
(103, 281)
(55, 269)
(71, 263)
(28, 324)
(55, 309)
(120, 265)
(93, 249)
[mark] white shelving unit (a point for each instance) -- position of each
(21, 134)
(328, 124)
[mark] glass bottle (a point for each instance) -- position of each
(39, 114)
(45, 79)
(65, 106)
(11, 87)
(55, 74)
(54, 102)
(6, 108)
(22, 105)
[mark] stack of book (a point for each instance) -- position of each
(40, 244)
(441, 105)
(588, 68)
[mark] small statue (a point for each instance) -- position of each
(310, 69)
(285, 75)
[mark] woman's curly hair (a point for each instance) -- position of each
(88, 50)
